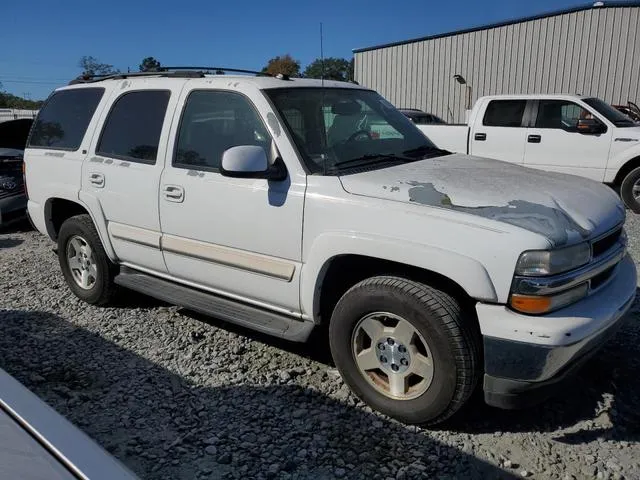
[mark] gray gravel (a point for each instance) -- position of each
(176, 395)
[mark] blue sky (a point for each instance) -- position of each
(42, 41)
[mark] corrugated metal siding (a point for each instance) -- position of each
(590, 52)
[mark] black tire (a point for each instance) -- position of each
(103, 288)
(626, 190)
(454, 341)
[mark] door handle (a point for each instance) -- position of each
(534, 138)
(96, 179)
(174, 193)
(481, 137)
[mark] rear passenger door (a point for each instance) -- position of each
(123, 167)
(501, 132)
(239, 237)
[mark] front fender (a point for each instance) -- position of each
(465, 271)
(619, 160)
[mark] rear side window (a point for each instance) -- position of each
(64, 118)
(132, 129)
(504, 113)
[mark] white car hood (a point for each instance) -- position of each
(563, 208)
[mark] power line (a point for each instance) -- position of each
(27, 82)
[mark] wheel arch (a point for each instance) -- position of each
(59, 209)
(336, 263)
(625, 169)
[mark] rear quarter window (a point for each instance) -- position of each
(504, 113)
(63, 120)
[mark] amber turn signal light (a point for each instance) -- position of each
(531, 304)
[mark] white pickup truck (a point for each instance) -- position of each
(283, 204)
(562, 133)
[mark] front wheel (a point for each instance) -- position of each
(630, 190)
(405, 349)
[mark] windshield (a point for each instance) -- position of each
(616, 117)
(337, 129)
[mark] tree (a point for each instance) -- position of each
(284, 64)
(91, 66)
(334, 69)
(149, 64)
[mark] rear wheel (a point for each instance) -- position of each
(630, 190)
(84, 263)
(405, 349)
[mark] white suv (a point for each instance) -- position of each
(282, 204)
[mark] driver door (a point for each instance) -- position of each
(239, 237)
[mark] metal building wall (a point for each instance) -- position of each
(592, 52)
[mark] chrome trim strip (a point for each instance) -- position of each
(141, 236)
(559, 283)
(230, 257)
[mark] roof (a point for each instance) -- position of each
(596, 5)
(261, 82)
(534, 96)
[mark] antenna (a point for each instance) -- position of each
(321, 58)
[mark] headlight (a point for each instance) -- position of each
(538, 263)
(536, 305)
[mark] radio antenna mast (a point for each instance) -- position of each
(321, 57)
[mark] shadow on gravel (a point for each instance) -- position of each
(316, 348)
(614, 370)
(19, 226)
(163, 427)
(9, 242)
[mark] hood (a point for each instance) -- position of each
(564, 208)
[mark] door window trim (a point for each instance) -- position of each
(127, 158)
(204, 168)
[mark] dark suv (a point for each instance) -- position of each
(13, 199)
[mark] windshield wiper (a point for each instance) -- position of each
(424, 149)
(371, 159)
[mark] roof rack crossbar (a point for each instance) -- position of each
(216, 69)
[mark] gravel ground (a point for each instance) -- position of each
(176, 395)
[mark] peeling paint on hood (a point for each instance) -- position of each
(563, 208)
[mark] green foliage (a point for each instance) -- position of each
(149, 64)
(7, 100)
(284, 64)
(339, 69)
(91, 66)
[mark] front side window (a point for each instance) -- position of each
(132, 129)
(339, 128)
(214, 121)
(560, 114)
(504, 113)
(63, 120)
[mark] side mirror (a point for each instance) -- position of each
(590, 126)
(250, 161)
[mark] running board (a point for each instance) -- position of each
(255, 318)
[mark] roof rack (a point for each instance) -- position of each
(173, 72)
